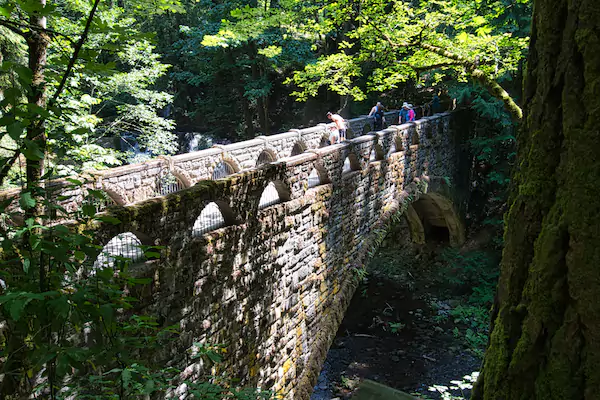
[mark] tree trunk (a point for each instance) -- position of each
(545, 339)
(36, 134)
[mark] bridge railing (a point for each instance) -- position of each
(137, 182)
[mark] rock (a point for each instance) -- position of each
(439, 329)
(395, 358)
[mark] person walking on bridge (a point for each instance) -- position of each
(340, 123)
(403, 117)
(411, 113)
(377, 112)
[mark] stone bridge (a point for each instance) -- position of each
(265, 260)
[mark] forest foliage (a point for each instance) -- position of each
(95, 84)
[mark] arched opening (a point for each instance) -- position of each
(399, 143)
(350, 164)
(168, 183)
(265, 157)
(125, 248)
(440, 223)
(376, 153)
(299, 148)
(366, 129)
(414, 138)
(211, 218)
(392, 149)
(324, 141)
(274, 193)
(223, 168)
(314, 179)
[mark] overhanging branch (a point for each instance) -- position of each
(16, 28)
(493, 87)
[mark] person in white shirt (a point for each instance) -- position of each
(340, 123)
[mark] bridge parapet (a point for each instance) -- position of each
(137, 182)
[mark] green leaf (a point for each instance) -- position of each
(26, 265)
(32, 151)
(26, 201)
(17, 307)
(15, 130)
(36, 110)
(126, 377)
(34, 241)
(88, 210)
(74, 181)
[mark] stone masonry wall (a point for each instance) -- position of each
(137, 182)
(274, 284)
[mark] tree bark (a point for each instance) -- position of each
(545, 339)
(37, 43)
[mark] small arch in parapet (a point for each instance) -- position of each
(115, 193)
(274, 193)
(215, 215)
(224, 168)
(376, 153)
(299, 148)
(414, 138)
(367, 128)
(265, 157)
(318, 176)
(167, 183)
(351, 164)
(397, 145)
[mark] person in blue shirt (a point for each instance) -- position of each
(377, 112)
(403, 113)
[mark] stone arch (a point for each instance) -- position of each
(214, 215)
(438, 218)
(299, 148)
(265, 157)
(417, 232)
(115, 193)
(351, 164)
(224, 168)
(376, 153)
(167, 182)
(367, 128)
(274, 193)
(414, 138)
(183, 176)
(121, 248)
(399, 143)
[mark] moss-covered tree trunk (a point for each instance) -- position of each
(545, 339)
